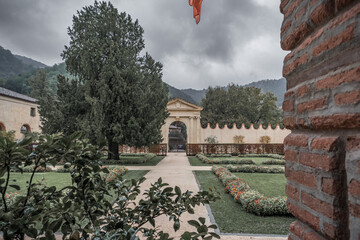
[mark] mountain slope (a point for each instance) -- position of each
(10, 65)
(277, 87)
(197, 95)
(30, 62)
(177, 93)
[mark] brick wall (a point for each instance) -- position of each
(322, 108)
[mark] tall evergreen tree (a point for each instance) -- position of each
(104, 54)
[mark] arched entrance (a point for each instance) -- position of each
(177, 136)
(186, 115)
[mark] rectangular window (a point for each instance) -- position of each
(33, 112)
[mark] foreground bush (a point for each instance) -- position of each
(250, 200)
(205, 159)
(93, 207)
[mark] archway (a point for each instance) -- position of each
(177, 136)
(2, 127)
(25, 129)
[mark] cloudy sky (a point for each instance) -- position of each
(236, 41)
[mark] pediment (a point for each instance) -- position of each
(182, 105)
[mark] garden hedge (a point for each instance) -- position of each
(131, 159)
(205, 159)
(275, 156)
(255, 169)
(250, 200)
(274, 162)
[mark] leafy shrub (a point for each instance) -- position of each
(93, 206)
(29, 169)
(205, 159)
(115, 173)
(255, 169)
(250, 200)
(274, 162)
(130, 159)
(275, 156)
(220, 155)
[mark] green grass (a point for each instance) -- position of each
(194, 161)
(230, 218)
(59, 180)
(271, 185)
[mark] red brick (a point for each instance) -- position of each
(298, 228)
(289, 10)
(354, 209)
(347, 98)
(353, 143)
(333, 232)
(312, 2)
(340, 4)
(299, 140)
(331, 186)
(354, 188)
(312, 105)
(296, 63)
(310, 39)
(305, 216)
(337, 121)
(320, 206)
(303, 178)
(323, 12)
(300, 13)
(289, 94)
(351, 13)
(331, 43)
(288, 106)
(292, 192)
(286, 26)
(320, 161)
(351, 75)
(283, 5)
(289, 122)
(301, 123)
(325, 143)
(311, 235)
(287, 58)
(291, 155)
(303, 90)
(296, 36)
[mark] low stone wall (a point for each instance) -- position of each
(193, 149)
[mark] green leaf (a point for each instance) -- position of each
(176, 225)
(152, 222)
(202, 229)
(214, 235)
(194, 223)
(186, 236)
(213, 226)
(202, 220)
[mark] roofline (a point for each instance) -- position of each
(186, 102)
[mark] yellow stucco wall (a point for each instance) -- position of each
(189, 114)
(16, 112)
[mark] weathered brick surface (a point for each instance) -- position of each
(322, 107)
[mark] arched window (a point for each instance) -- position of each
(25, 129)
(2, 127)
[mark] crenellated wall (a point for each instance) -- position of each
(251, 134)
(322, 109)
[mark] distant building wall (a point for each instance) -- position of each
(14, 113)
(251, 135)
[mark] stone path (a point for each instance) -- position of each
(176, 170)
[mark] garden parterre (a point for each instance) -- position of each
(250, 200)
(249, 159)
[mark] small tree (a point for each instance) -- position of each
(238, 139)
(211, 139)
(265, 139)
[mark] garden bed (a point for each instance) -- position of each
(231, 218)
(146, 159)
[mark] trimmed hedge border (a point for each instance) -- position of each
(250, 200)
(130, 159)
(205, 159)
(274, 162)
(255, 169)
(29, 169)
(275, 156)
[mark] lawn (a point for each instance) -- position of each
(229, 216)
(271, 185)
(195, 161)
(59, 180)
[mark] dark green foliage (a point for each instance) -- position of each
(10, 65)
(126, 96)
(93, 204)
(236, 104)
